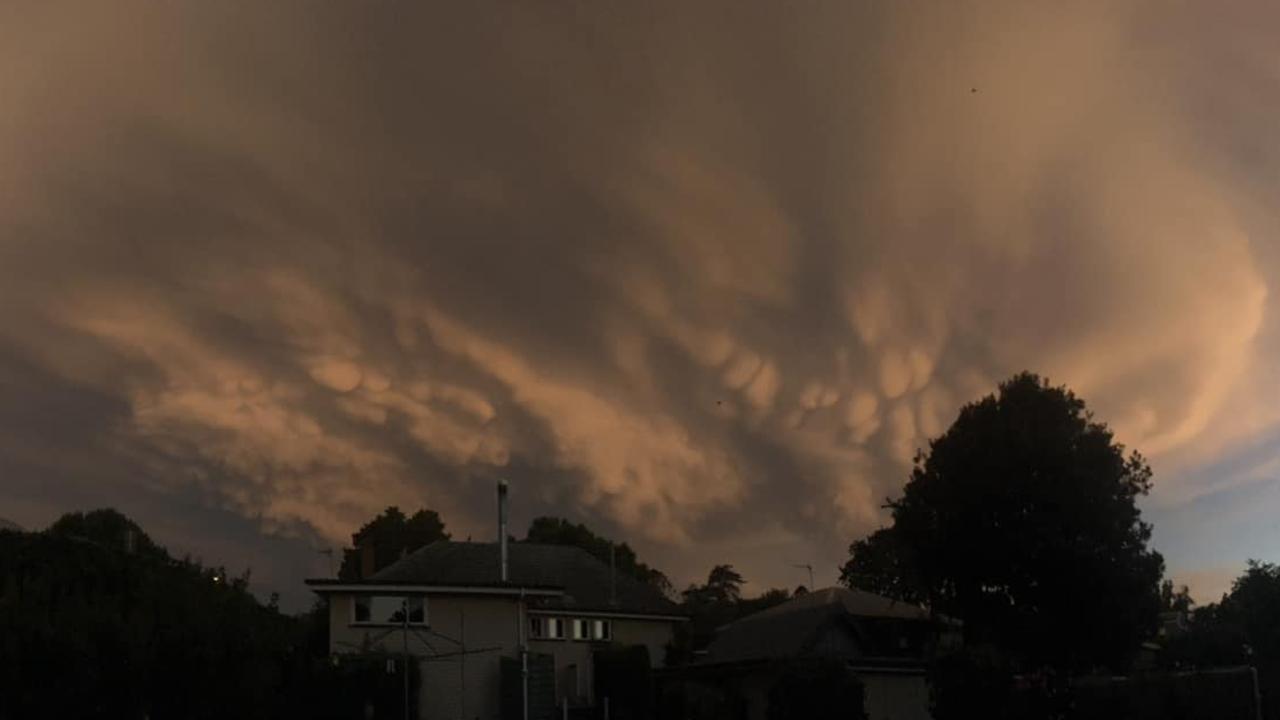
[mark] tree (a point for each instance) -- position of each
(724, 584)
(1175, 600)
(1022, 521)
(558, 531)
(1239, 629)
(96, 620)
(879, 563)
(392, 535)
(107, 527)
(713, 604)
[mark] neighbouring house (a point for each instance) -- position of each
(887, 643)
(501, 629)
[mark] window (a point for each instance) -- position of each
(580, 629)
(389, 609)
(546, 628)
(601, 630)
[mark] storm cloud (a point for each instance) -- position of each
(704, 277)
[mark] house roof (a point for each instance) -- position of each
(792, 628)
(859, 603)
(587, 583)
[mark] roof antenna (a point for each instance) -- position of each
(807, 566)
(613, 574)
(502, 526)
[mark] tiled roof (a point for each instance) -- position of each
(585, 580)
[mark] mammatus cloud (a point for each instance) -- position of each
(695, 276)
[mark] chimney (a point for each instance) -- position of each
(502, 526)
(367, 567)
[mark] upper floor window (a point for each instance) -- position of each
(601, 630)
(390, 609)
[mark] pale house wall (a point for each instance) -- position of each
(466, 686)
(455, 686)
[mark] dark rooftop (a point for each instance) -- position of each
(832, 620)
(585, 580)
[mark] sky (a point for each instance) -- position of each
(702, 275)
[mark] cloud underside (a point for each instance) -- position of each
(695, 276)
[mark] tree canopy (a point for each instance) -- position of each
(392, 534)
(1021, 519)
(715, 603)
(99, 621)
(558, 531)
(1239, 629)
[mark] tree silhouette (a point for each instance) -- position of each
(392, 535)
(880, 563)
(1021, 520)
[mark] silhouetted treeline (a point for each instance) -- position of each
(97, 621)
(1243, 628)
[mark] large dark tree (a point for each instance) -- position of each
(558, 531)
(392, 534)
(881, 564)
(1022, 520)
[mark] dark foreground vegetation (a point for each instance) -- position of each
(97, 621)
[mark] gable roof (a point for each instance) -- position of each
(587, 583)
(792, 628)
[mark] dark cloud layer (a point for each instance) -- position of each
(705, 277)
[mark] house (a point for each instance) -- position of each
(886, 642)
(500, 629)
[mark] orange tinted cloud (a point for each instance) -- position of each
(681, 273)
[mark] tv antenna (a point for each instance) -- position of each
(807, 566)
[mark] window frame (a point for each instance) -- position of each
(405, 599)
(549, 627)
